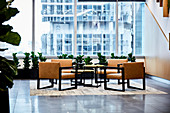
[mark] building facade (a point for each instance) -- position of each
(96, 27)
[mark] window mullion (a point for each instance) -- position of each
(75, 29)
(117, 33)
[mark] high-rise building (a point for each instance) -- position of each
(96, 27)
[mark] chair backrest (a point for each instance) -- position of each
(134, 70)
(49, 70)
(63, 62)
(114, 62)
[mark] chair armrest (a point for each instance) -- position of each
(67, 67)
(109, 67)
(118, 65)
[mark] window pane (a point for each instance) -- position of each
(54, 27)
(130, 18)
(96, 24)
(139, 25)
(21, 23)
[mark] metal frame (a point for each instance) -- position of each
(144, 84)
(123, 81)
(59, 87)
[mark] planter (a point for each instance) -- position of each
(4, 97)
(27, 74)
(102, 64)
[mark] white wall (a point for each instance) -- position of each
(156, 47)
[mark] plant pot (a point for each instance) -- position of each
(27, 74)
(4, 97)
(33, 73)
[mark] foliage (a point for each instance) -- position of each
(168, 3)
(112, 56)
(70, 56)
(27, 61)
(117, 57)
(88, 60)
(122, 57)
(79, 59)
(131, 57)
(65, 56)
(8, 68)
(60, 57)
(34, 60)
(102, 59)
(42, 59)
(15, 59)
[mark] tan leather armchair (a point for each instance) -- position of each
(53, 70)
(112, 63)
(64, 63)
(133, 70)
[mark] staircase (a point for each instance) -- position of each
(166, 13)
(164, 4)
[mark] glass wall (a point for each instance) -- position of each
(96, 27)
(21, 23)
(130, 28)
(54, 27)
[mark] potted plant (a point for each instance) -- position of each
(15, 59)
(88, 60)
(70, 56)
(79, 60)
(63, 56)
(112, 56)
(27, 61)
(34, 70)
(131, 58)
(8, 68)
(42, 59)
(122, 57)
(102, 59)
(60, 57)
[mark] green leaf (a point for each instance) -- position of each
(5, 29)
(11, 38)
(4, 49)
(3, 4)
(8, 70)
(7, 14)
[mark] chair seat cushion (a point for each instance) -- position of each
(114, 76)
(67, 75)
(108, 71)
(67, 70)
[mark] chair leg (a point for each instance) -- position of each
(144, 85)
(123, 85)
(38, 84)
(128, 85)
(59, 85)
(119, 81)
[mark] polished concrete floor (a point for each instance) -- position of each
(22, 102)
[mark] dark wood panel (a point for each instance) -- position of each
(161, 3)
(165, 8)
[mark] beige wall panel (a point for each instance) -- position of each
(156, 45)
